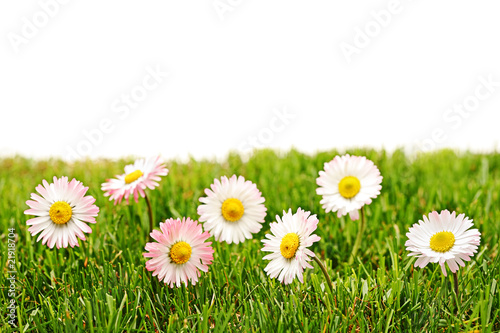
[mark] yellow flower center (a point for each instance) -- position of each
(133, 176)
(60, 212)
(289, 245)
(180, 253)
(442, 241)
(232, 209)
(349, 186)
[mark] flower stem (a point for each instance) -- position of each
(150, 213)
(359, 237)
(325, 273)
(455, 279)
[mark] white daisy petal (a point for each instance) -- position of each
(347, 184)
(144, 173)
(233, 210)
(292, 235)
(443, 238)
(180, 252)
(60, 202)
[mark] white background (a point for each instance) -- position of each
(233, 64)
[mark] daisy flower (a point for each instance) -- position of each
(143, 173)
(179, 253)
(289, 242)
(443, 238)
(62, 212)
(347, 184)
(233, 210)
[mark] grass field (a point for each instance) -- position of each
(103, 285)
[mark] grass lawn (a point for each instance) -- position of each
(103, 286)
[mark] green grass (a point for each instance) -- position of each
(103, 285)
